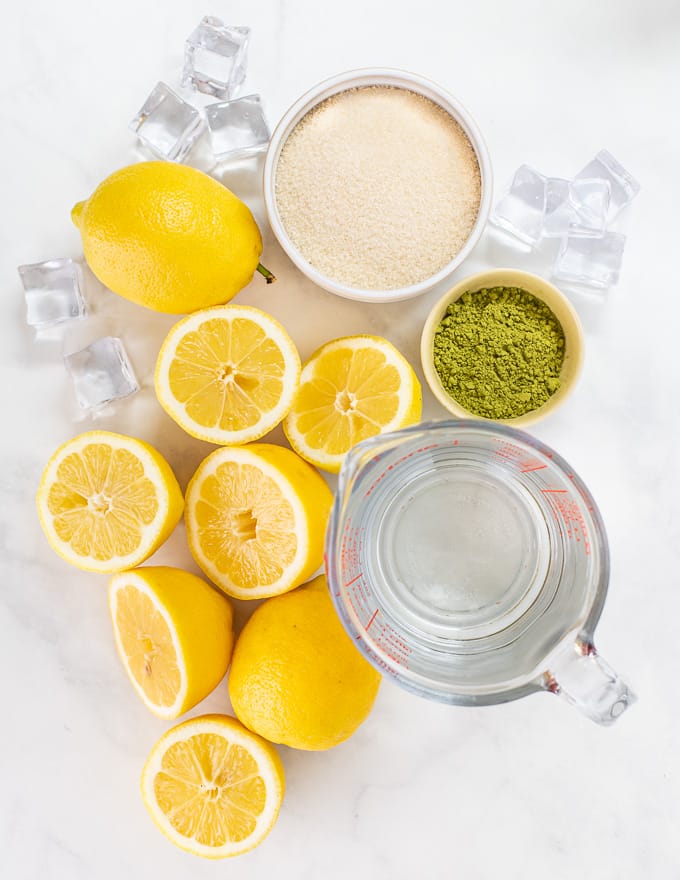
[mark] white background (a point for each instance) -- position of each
(526, 790)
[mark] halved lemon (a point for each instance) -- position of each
(350, 389)
(213, 787)
(106, 502)
(174, 635)
(228, 374)
(256, 518)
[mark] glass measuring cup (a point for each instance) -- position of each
(470, 563)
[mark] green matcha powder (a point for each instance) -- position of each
(499, 351)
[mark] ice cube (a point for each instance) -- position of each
(577, 206)
(53, 291)
(521, 211)
(585, 259)
(590, 198)
(559, 211)
(215, 58)
(167, 125)
(101, 373)
(237, 127)
(624, 187)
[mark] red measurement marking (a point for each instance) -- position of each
(354, 580)
(373, 617)
(567, 510)
(537, 467)
(507, 451)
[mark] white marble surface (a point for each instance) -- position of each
(530, 789)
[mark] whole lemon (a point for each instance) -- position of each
(296, 677)
(169, 237)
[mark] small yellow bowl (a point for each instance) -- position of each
(541, 289)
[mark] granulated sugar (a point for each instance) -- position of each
(378, 187)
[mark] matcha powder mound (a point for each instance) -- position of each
(499, 351)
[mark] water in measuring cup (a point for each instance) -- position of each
(461, 549)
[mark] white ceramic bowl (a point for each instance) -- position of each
(357, 79)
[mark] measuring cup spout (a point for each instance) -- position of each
(578, 674)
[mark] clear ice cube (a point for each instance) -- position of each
(167, 125)
(521, 211)
(237, 127)
(623, 185)
(215, 58)
(559, 211)
(101, 373)
(585, 259)
(577, 206)
(53, 292)
(590, 198)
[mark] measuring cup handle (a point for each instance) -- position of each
(585, 680)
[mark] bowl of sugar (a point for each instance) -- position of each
(377, 184)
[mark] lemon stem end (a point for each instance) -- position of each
(270, 277)
(76, 213)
